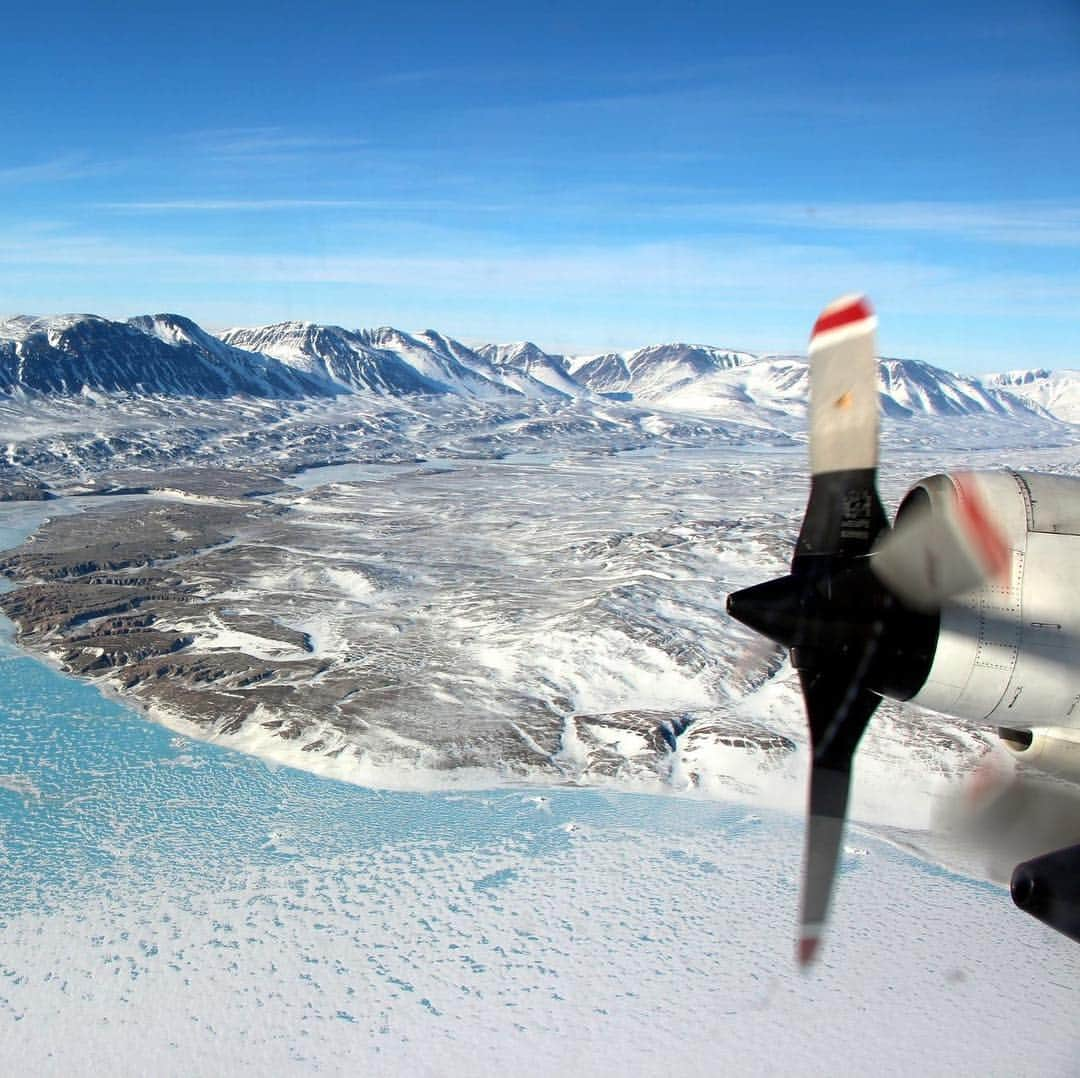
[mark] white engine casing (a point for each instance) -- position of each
(1008, 653)
(1050, 749)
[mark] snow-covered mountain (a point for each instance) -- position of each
(698, 378)
(605, 373)
(336, 354)
(466, 368)
(438, 360)
(1056, 391)
(168, 355)
(760, 389)
(528, 358)
(388, 361)
(163, 354)
(657, 370)
(918, 387)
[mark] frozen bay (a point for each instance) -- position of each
(174, 906)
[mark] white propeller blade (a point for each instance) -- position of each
(843, 388)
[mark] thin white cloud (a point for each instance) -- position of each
(268, 142)
(677, 277)
(681, 282)
(252, 205)
(750, 294)
(1016, 224)
(1037, 224)
(410, 76)
(56, 170)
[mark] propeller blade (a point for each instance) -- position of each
(838, 710)
(824, 832)
(849, 638)
(844, 516)
(844, 513)
(942, 546)
(843, 387)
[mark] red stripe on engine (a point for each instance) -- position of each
(992, 548)
(855, 311)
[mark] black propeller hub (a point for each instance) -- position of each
(832, 611)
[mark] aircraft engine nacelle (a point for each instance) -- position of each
(1008, 652)
(1048, 888)
(1050, 749)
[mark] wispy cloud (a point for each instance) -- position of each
(56, 170)
(751, 272)
(268, 142)
(420, 75)
(1036, 224)
(748, 293)
(256, 205)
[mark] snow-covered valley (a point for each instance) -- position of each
(404, 562)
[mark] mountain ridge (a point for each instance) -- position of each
(1057, 392)
(171, 355)
(163, 354)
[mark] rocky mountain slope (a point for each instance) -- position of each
(390, 362)
(528, 358)
(337, 355)
(163, 354)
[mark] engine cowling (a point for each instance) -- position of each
(1050, 749)
(1048, 888)
(1008, 652)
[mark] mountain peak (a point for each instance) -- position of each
(21, 326)
(166, 355)
(533, 362)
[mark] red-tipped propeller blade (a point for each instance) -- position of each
(849, 636)
(843, 519)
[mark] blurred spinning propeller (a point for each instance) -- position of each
(858, 609)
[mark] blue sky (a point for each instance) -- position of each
(589, 176)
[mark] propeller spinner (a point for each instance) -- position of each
(858, 610)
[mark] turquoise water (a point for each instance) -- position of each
(92, 792)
